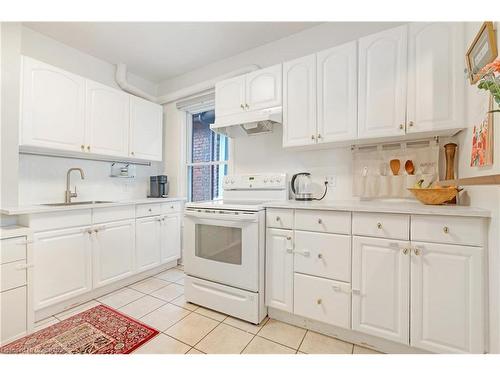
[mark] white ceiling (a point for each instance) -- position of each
(161, 50)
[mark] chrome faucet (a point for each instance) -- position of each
(68, 194)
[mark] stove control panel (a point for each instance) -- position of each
(255, 182)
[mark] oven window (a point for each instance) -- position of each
(220, 244)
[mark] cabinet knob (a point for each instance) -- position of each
(416, 251)
(88, 148)
(320, 221)
(242, 106)
(320, 256)
(446, 230)
(82, 147)
(288, 238)
(319, 136)
(172, 207)
(96, 230)
(278, 218)
(149, 209)
(313, 137)
(247, 106)
(401, 126)
(410, 123)
(379, 225)
(405, 251)
(319, 301)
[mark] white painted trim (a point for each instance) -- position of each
(121, 80)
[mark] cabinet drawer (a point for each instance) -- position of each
(13, 275)
(12, 249)
(103, 215)
(448, 229)
(279, 218)
(381, 225)
(171, 207)
(322, 300)
(150, 209)
(13, 314)
(322, 254)
(323, 221)
(56, 220)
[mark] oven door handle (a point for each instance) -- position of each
(220, 216)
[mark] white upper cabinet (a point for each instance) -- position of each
(263, 88)
(230, 96)
(435, 76)
(107, 120)
(299, 102)
(146, 129)
(380, 284)
(382, 84)
(337, 93)
(447, 298)
(52, 107)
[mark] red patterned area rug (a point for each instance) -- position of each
(99, 330)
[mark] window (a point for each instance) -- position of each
(207, 158)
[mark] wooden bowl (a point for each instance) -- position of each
(435, 196)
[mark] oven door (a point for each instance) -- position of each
(222, 246)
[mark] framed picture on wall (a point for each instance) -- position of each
(482, 51)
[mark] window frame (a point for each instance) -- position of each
(186, 161)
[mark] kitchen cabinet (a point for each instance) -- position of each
(113, 247)
(52, 107)
(256, 90)
(299, 102)
(230, 96)
(447, 298)
(279, 269)
(148, 243)
(170, 238)
(263, 88)
(435, 76)
(382, 84)
(380, 287)
(62, 265)
(146, 129)
(337, 80)
(107, 120)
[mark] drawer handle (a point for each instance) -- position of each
(172, 207)
(379, 225)
(320, 256)
(416, 251)
(319, 301)
(278, 218)
(320, 221)
(446, 230)
(405, 251)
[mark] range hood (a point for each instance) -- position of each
(248, 123)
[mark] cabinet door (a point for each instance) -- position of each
(382, 84)
(230, 96)
(52, 106)
(263, 88)
(13, 314)
(62, 269)
(299, 102)
(279, 269)
(106, 120)
(435, 76)
(447, 298)
(113, 252)
(170, 238)
(380, 283)
(148, 243)
(337, 93)
(146, 129)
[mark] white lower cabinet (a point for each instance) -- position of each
(13, 314)
(148, 242)
(447, 298)
(380, 287)
(113, 246)
(323, 300)
(279, 269)
(62, 265)
(170, 238)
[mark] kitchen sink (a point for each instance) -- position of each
(74, 203)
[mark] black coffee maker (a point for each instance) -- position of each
(158, 186)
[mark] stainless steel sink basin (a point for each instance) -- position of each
(74, 203)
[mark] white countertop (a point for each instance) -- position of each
(401, 207)
(34, 209)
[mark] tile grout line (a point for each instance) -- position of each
(301, 341)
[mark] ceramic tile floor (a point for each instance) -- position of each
(190, 329)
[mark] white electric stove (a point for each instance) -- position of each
(224, 246)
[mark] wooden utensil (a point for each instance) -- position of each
(409, 167)
(395, 165)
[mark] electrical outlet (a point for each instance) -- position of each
(332, 180)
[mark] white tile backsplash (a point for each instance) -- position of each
(42, 179)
